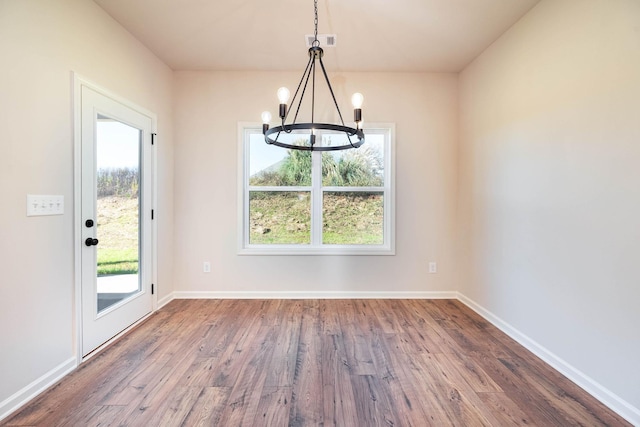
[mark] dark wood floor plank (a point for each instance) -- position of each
(533, 404)
(505, 410)
(355, 331)
(281, 367)
(103, 416)
(337, 398)
(232, 358)
(247, 390)
(464, 369)
(416, 384)
(436, 338)
(330, 321)
(274, 407)
(207, 409)
(372, 408)
(179, 406)
(306, 397)
(569, 400)
(460, 403)
(390, 319)
(309, 362)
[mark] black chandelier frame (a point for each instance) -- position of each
(315, 55)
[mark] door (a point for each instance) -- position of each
(116, 254)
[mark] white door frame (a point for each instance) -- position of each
(77, 83)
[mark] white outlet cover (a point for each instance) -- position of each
(433, 267)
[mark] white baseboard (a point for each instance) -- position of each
(165, 300)
(15, 401)
(314, 295)
(604, 395)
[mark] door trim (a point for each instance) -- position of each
(77, 82)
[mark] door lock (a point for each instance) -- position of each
(91, 242)
(89, 223)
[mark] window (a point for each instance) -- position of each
(298, 202)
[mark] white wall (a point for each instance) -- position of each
(41, 42)
(549, 196)
(208, 108)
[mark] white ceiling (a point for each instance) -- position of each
(372, 35)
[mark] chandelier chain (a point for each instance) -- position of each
(315, 23)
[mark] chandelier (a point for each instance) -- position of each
(354, 135)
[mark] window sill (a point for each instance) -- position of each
(334, 250)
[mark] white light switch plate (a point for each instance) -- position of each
(44, 205)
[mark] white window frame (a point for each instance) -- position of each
(316, 190)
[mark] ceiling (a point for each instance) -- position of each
(372, 35)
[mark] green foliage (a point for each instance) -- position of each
(285, 218)
(362, 167)
(280, 217)
(348, 217)
(296, 168)
(118, 232)
(355, 168)
(353, 219)
(123, 182)
(117, 261)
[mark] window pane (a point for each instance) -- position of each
(270, 165)
(279, 217)
(361, 167)
(353, 218)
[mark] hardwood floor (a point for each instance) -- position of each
(315, 362)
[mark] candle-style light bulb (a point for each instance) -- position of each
(283, 95)
(266, 118)
(357, 99)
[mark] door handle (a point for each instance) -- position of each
(91, 242)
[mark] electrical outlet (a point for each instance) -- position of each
(44, 205)
(206, 267)
(433, 267)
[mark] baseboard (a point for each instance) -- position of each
(165, 300)
(604, 395)
(314, 295)
(14, 402)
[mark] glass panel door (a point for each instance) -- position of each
(116, 205)
(118, 211)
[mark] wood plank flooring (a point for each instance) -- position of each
(315, 362)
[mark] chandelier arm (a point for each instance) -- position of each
(313, 91)
(326, 77)
(295, 95)
(304, 88)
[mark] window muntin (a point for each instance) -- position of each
(299, 202)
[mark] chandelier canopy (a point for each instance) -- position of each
(354, 135)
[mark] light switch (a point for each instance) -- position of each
(44, 205)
